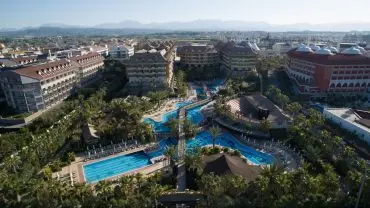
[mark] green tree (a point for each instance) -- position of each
(294, 108)
(215, 132)
(104, 190)
(170, 153)
(265, 125)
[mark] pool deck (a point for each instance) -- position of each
(75, 169)
(169, 106)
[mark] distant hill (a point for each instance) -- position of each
(135, 27)
(212, 25)
(68, 31)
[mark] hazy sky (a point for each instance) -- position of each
(21, 13)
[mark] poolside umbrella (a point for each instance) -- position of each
(88, 153)
(114, 148)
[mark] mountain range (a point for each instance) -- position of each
(239, 25)
(206, 25)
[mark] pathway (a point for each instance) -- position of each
(181, 147)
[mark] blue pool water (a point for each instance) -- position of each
(193, 114)
(121, 164)
(215, 85)
(227, 140)
(114, 166)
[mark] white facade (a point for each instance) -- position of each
(121, 52)
(348, 119)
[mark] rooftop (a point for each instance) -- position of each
(233, 49)
(335, 59)
(222, 164)
(146, 58)
(45, 70)
(352, 116)
(84, 57)
(197, 49)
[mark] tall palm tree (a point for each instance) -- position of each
(194, 162)
(170, 153)
(215, 132)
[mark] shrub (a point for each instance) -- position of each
(226, 149)
(47, 172)
(55, 166)
(215, 150)
(244, 160)
(237, 153)
(71, 156)
(205, 150)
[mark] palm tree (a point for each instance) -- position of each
(194, 162)
(236, 185)
(12, 162)
(104, 189)
(170, 153)
(215, 132)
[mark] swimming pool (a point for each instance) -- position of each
(215, 85)
(193, 114)
(114, 166)
(227, 140)
(201, 93)
(204, 138)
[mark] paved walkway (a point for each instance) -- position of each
(181, 177)
(181, 147)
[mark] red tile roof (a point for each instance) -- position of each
(20, 59)
(90, 58)
(337, 59)
(84, 57)
(46, 70)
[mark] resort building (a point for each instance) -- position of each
(89, 66)
(324, 71)
(121, 52)
(199, 56)
(34, 88)
(354, 121)
(149, 71)
(19, 61)
(239, 59)
(37, 87)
